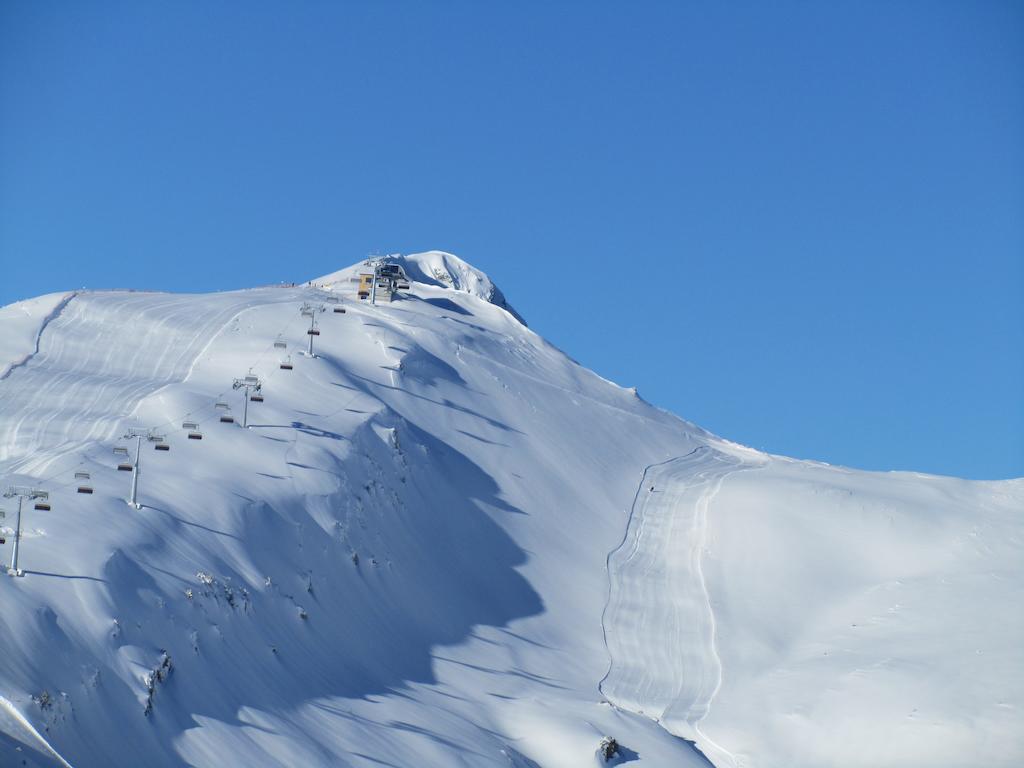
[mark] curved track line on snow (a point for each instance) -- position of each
(107, 378)
(705, 503)
(616, 548)
(53, 313)
(15, 718)
(658, 624)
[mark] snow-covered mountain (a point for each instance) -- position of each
(441, 542)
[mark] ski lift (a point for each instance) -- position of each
(42, 506)
(161, 447)
(313, 331)
(365, 284)
(84, 488)
(193, 430)
(251, 380)
(286, 365)
(222, 405)
(125, 465)
(339, 310)
(280, 344)
(256, 398)
(227, 418)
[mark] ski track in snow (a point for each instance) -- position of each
(79, 386)
(53, 313)
(658, 624)
(13, 722)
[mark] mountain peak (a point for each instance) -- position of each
(437, 268)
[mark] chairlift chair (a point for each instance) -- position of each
(256, 398)
(222, 405)
(313, 332)
(227, 419)
(193, 430)
(339, 310)
(83, 476)
(161, 447)
(280, 344)
(42, 506)
(125, 465)
(286, 365)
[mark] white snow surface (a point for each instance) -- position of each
(22, 324)
(441, 542)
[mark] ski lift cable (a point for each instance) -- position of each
(270, 349)
(211, 410)
(59, 469)
(170, 423)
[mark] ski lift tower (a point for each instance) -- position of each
(391, 277)
(23, 492)
(139, 435)
(249, 383)
(310, 311)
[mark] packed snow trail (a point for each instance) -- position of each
(23, 325)
(97, 359)
(13, 722)
(659, 624)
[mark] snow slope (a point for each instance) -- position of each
(22, 325)
(436, 544)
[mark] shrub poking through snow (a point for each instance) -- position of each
(220, 589)
(159, 675)
(608, 748)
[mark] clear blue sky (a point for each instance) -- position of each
(798, 224)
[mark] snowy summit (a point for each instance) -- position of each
(438, 541)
